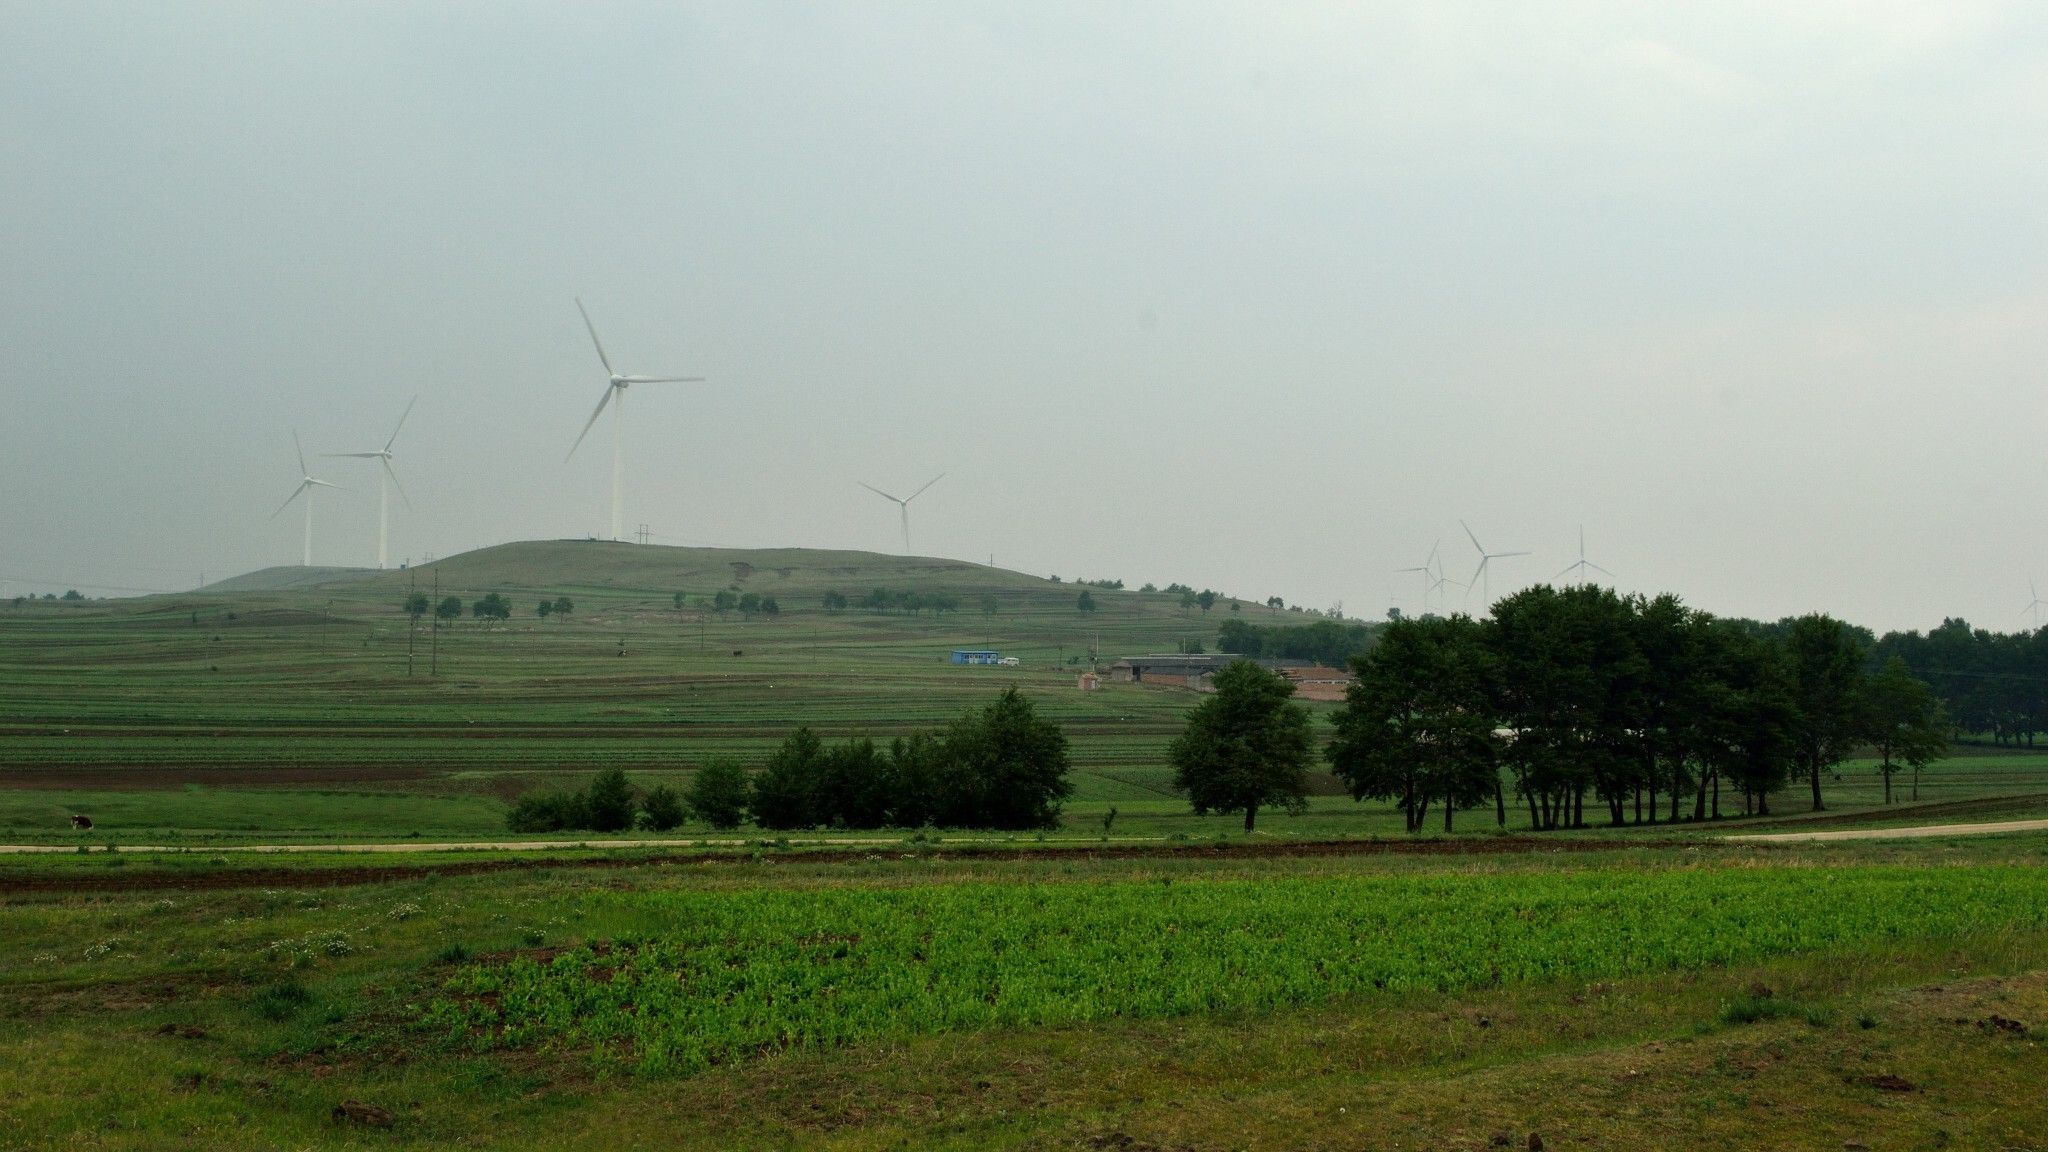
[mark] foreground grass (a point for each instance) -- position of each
(282, 1004)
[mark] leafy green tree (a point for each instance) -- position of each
(719, 794)
(724, 601)
(610, 801)
(1827, 670)
(1205, 598)
(770, 608)
(73, 594)
(1006, 768)
(1417, 723)
(449, 608)
(835, 602)
(1905, 723)
(417, 605)
(785, 791)
(856, 788)
(750, 604)
(661, 809)
(1187, 600)
(563, 606)
(1275, 602)
(989, 604)
(491, 607)
(677, 600)
(1244, 748)
(543, 608)
(1086, 602)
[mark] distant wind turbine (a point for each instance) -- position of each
(1429, 572)
(903, 504)
(305, 488)
(1480, 574)
(2034, 608)
(615, 395)
(383, 457)
(1584, 563)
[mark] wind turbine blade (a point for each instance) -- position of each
(877, 491)
(1569, 567)
(288, 500)
(1599, 569)
(594, 414)
(324, 484)
(395, 484)
(303, 470)
(1432, 552)
(1479, 571)
(1471, 537)
(662, 379)
(401, 423)
(1501, 555)
(927, 484)
(602, 358)
(1411, 569)
(354, 455)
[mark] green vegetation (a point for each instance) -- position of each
(722, 976)
(1245, 748)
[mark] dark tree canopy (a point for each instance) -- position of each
(1417, 724)
(1245, 747)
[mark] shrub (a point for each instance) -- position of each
(784, 794)
(551, 811)
(718, 796)
(661, 809)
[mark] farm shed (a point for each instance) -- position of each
(976, 656)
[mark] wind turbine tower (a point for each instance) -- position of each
(383, 458)
(305, 488)
(615, 395)
(1430, 577)
(2034, 607)
(1480, 574)
(903, 504)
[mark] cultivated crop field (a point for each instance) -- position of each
(715, 977)
(1891, 995)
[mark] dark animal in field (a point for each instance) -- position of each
(81, 822)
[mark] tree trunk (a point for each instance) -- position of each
(1448, 806)
(1815, 766)
(1886, 768)
(1251, 814)
(1535, 820)
(1699, 800)
(1500, 801)
(1717, 795)
(1916, 782)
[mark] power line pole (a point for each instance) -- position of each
(412, 620)
(434, 636)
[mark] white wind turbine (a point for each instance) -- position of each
(1486, 559)
(383, 457)
(2034, 608)
(615, 395)
(903, 504)
(1430, 576)
(1584, 563)
(305, 488)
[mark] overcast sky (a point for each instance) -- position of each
(1262, 297)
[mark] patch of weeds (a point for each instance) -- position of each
(452, 954)
(532, 937)
(1866, 1021)
(282, 1000)
(1751, 1009)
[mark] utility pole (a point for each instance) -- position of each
(434, 636)
(643, 532)
(412, 622)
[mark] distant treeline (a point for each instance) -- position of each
(884, 600)
(1327, 642)
(999, 768)
(1635, 702)
(1991, 683)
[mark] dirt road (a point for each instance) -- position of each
(1918, 832)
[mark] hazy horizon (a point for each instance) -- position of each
(1259, 298)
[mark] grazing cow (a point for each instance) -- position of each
(81, 822)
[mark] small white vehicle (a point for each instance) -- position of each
(1009, 661)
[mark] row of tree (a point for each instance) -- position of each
(883, 601)
(1001, 767)
(1569, 694)
(1329, 642)
(1992, 683)
(492, 606)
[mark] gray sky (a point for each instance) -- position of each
(1256, 296)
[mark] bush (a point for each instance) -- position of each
(784, 793)
(609, 802)
(718, 796)
(550, 811)
(661, 809)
